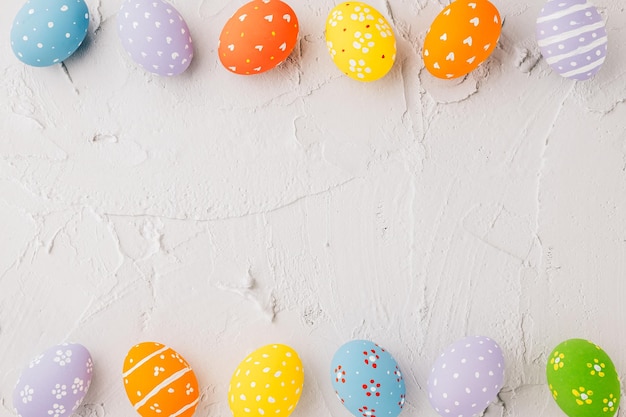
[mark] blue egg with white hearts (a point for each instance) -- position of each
(367, 380)
(46, 32)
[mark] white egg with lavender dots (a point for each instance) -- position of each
(47, 32)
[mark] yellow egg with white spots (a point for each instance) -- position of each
(269, 382)
(360, 41)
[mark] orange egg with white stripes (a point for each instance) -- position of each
(159, 382)
(461, 37)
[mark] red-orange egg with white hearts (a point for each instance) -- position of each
(258, 37)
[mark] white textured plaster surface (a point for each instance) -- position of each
(217, 213)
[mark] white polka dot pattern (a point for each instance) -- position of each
(269, 381)
(45, 33)
(466, 377)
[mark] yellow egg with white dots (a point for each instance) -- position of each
(360, 41)
(269, 382)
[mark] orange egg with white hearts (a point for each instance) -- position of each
(461, 37)
(159, 382)
(258, 37)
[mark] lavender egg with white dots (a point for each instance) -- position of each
(466, 377)
(572, 37)
(54, 383)
(156, 36)
(47, 32)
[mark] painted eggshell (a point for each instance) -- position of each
(46, 32)
(55, 382)
(367, 379)
(583, 380)
(572, 37)
(360, 41)
(267, 382)
(159, 382)
(466, 377)
(155, 36)
(258, 37)
(461, 37)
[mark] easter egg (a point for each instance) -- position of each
(258, 37)
(55, 382)
(461, 37)
(466, 377)
(572, 37)
(267, 382)
(367, 379)
(360, 41)
(583, 380)
(158, 381)
(155, 36)
(46, 32)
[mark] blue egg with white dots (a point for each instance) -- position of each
(47, 32)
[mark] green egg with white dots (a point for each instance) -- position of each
(583, 380)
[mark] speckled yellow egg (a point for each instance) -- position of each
(159, 382)
(360, 41)
(267, 382)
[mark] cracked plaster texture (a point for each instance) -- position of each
(217, 213)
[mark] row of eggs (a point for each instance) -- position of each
(464, 380)
(262, 34)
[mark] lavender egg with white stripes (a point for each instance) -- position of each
(572, 37)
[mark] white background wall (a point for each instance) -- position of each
(217, 213)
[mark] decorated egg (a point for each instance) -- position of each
(572, 37)
(267, 382)
(466, 377)
(158, 381)
(367, 379)
(583, 380)
(360, 41)
(155, 36)
(55, 382)
(46, 32)
(461, 37)
(258, 37)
